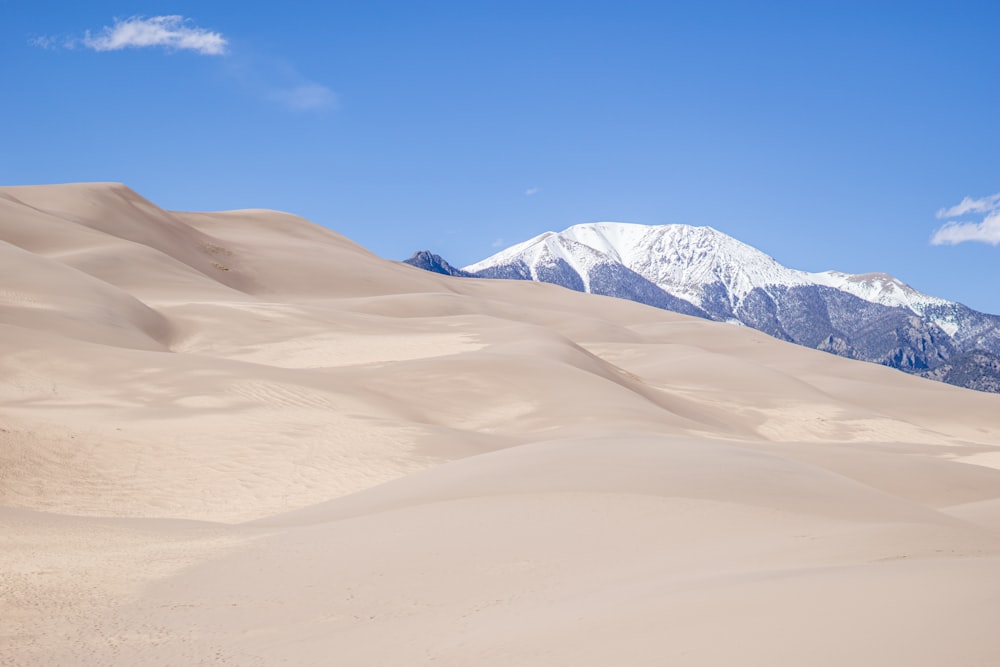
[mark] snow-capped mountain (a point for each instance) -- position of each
(679, 258)
(683, 260)
(701, 271)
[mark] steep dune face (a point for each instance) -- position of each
(46, 295)
(241, 435)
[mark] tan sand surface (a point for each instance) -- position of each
(239, 438)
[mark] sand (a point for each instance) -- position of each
(240, 438)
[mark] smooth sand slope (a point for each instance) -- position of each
(239, 438)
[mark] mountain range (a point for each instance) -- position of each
(702, 272)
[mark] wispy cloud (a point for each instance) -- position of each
(530, 192)
(305, 97)
(50, 42)
(280, 82)
(984, 228)
(499, 243)
(174, 32)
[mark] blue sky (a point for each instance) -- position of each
(838, 135)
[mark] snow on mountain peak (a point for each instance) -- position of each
(879, 288)
(683, 260)
(546, 250)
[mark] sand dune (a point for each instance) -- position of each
(241, 438)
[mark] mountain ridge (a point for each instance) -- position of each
(703, 272)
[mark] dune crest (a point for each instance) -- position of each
(241, 437)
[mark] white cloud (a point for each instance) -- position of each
(171, 32)
(306, 97)
(499, 243)
(532, 191)
(986, 230)
(272, 79)
(969, 205)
